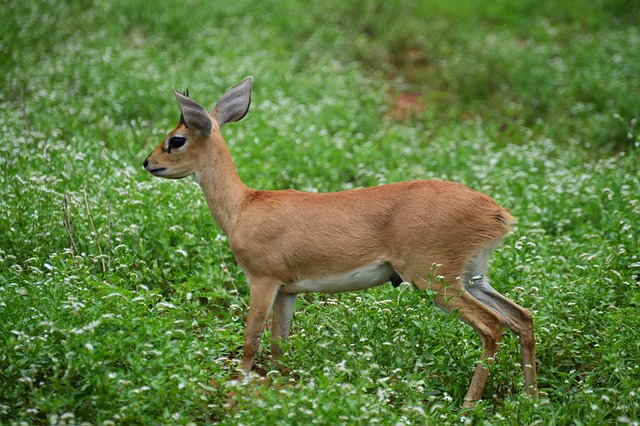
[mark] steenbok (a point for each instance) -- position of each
(289, 242)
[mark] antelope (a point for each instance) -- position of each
(289, 242)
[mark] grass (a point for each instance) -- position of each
(120, 299)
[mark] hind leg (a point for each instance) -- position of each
(452, 297)
(488, 325)
(519, 320)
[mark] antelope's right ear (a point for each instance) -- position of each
(193, 115)
(233, 106)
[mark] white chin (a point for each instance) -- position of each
(196, 177)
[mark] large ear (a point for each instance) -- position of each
(233, 106)
(193, 115)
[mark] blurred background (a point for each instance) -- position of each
(120, 301)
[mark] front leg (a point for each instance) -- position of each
(283, 309)
(262, 293)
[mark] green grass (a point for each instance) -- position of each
(120, 301)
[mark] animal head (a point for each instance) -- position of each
(181, 152)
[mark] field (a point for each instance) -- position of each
(121, 302)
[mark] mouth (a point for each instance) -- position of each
(158, 171)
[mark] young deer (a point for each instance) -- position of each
(289, 242)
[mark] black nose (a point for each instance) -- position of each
(146, 161)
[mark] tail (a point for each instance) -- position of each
(506, 220)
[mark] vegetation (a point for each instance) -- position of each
(121, 302)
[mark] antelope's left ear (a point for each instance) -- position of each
(233, 106)
(193, 115)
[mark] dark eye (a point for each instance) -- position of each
(176, 142)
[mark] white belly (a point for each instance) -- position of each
(358, 279)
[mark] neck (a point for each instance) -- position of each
(222, 186)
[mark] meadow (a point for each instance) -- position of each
(121, 302)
